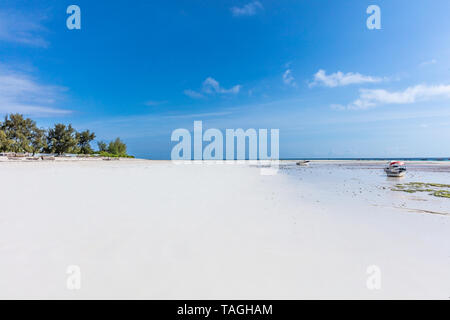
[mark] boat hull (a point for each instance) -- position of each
(395, 173)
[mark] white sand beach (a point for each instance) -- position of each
(152, 229)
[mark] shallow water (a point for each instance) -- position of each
(358, 184)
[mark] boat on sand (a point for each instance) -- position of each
(395, 169)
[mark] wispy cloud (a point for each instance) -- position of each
(428, 62)
(339, 79)
(198, 115)
(154, 103)
(193, 94)
(21, 93)
(288, 78)
(210, 87)
(250, 9)
(369, 98)
(24, 29)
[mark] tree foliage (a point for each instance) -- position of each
(117, 147)
(62, 139)
(38, 141)
(5, 143)
(21, 135)
(84, 140)
(102, 146)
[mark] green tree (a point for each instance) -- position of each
(102, 146)
(62, 139)
(38, 140)
(84, 139)
(20, 133)
(5, 143)
(117, 147)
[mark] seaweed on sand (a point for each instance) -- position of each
(442, 194)
(433, 189)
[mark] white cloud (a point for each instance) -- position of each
(337, 107)
(199, 115)
(338, 79)
(193, 94)
(250, 9)
(288, 78)
(22, 94)
(23, 29)
(369, 98)
(211, 86)
(154, 103)
(427, 63)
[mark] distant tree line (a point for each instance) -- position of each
(22, 135)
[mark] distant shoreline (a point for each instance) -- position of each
(411, 163)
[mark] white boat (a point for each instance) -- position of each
(395, 169)
(303, 163)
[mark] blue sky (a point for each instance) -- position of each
(312, 69)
